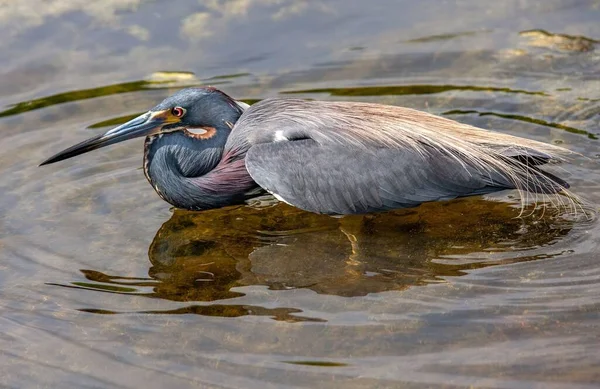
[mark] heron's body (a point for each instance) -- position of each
(324, 157)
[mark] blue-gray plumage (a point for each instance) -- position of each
(205, 150)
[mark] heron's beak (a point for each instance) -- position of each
(147, 124)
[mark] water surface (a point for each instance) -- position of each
(104, 285)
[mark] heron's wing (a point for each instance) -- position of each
(332, 179)
(342, 157)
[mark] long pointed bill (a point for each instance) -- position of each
(147, 124)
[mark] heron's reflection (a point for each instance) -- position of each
(201, 256)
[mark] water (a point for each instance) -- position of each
(102, 284)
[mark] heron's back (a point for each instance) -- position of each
(351, 143)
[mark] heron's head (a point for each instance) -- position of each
(198, 112)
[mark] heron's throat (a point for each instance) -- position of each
(194, 174)
(183, 153)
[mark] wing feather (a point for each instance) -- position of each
(347, 157)
(306, 175)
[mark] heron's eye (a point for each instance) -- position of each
(178, 111)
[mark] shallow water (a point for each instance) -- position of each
(102, 284)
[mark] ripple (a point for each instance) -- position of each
(423, 89)
(445, 37)
(289, 315)
(523, 118)
(564, 42)
(157, 81)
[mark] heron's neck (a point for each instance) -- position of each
(193, 174)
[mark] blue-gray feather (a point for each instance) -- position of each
(338, 180)
(346, 158)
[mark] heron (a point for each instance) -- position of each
(203, 150)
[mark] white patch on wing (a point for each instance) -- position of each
(242, 105)
(279, 137)
(279, 198)
(197, 131)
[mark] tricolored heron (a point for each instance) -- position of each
(204, 150)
